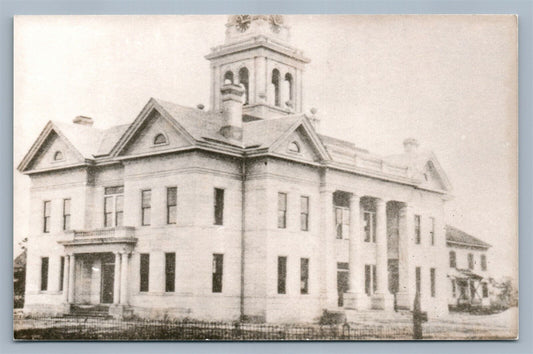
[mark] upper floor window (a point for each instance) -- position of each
(66, 214)
(294, 147)
(483, 262)
(58, 155)
(113, 206)
(282, 210)
(160, 139)
(172, 202)
(417, 229)
(370, 226)
(290, 86)
(453, 260)
(470, 261)
(341, 204)
(432, 231)
(304, 213)
(219, 206)
(47, 206)
(146, 207)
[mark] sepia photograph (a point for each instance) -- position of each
(265, 177)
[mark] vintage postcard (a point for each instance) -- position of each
(266, 177)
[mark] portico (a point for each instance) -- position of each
(96, 270)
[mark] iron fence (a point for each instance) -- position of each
(64, 328)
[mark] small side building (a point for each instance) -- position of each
(468, 271)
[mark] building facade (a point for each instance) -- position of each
(244, 211)
(470, 284)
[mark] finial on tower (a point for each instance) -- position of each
(240, 26)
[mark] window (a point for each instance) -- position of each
(218, 262)
(172, 202)
(483, 262)
(243, 80)
(417, 229)
(160, 139)
(485, 290)
(289, 82)
(342, 222)
(370, 279)
(453, 261)
(304, 213)
(470, 261)
(294, 147)
(46, 216)
(61, 272)
(369, 218)
(145, 272)
(66, 214)
(170, 272)
(418, 280)
(58, 155)
(282, 275)
(432, 280)
(146, 207)
(432, 231)
(304, 275)
(228, 77)
(282, 210)
(114, 206)
(44, 273)
(219, 206)
(454, 291)
(276, 84)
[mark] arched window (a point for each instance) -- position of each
(243, 79)
(289, 82)
(228, 76)
(276, 83)
(453, 262)
(58, 155)
(294, 147)
(160, 139)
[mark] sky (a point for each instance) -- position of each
(448, 81)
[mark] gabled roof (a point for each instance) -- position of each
(456, 236)
(263, 133)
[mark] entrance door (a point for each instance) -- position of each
(342, 286)
(108, 278)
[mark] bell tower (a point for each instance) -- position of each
(257, 54)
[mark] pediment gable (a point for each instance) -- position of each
(156, 134)
(51, 150)
(140, 137)
(298, 145)
(300, 142)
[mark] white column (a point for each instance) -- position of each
(354, 299)
(405, 240)
(328, 266)
(260, 81)
(124, 280)
(381, 247)
(116, 281)
(66, 276)
(71, 284)
(355, 245)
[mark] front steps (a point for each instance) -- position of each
(100, 311)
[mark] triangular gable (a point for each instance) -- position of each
(51, 149)
(303, 134)
(152, 120)
(434, 176)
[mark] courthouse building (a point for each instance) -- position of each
(241, 211)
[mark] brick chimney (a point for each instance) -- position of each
(232, 101)
(82, 120)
